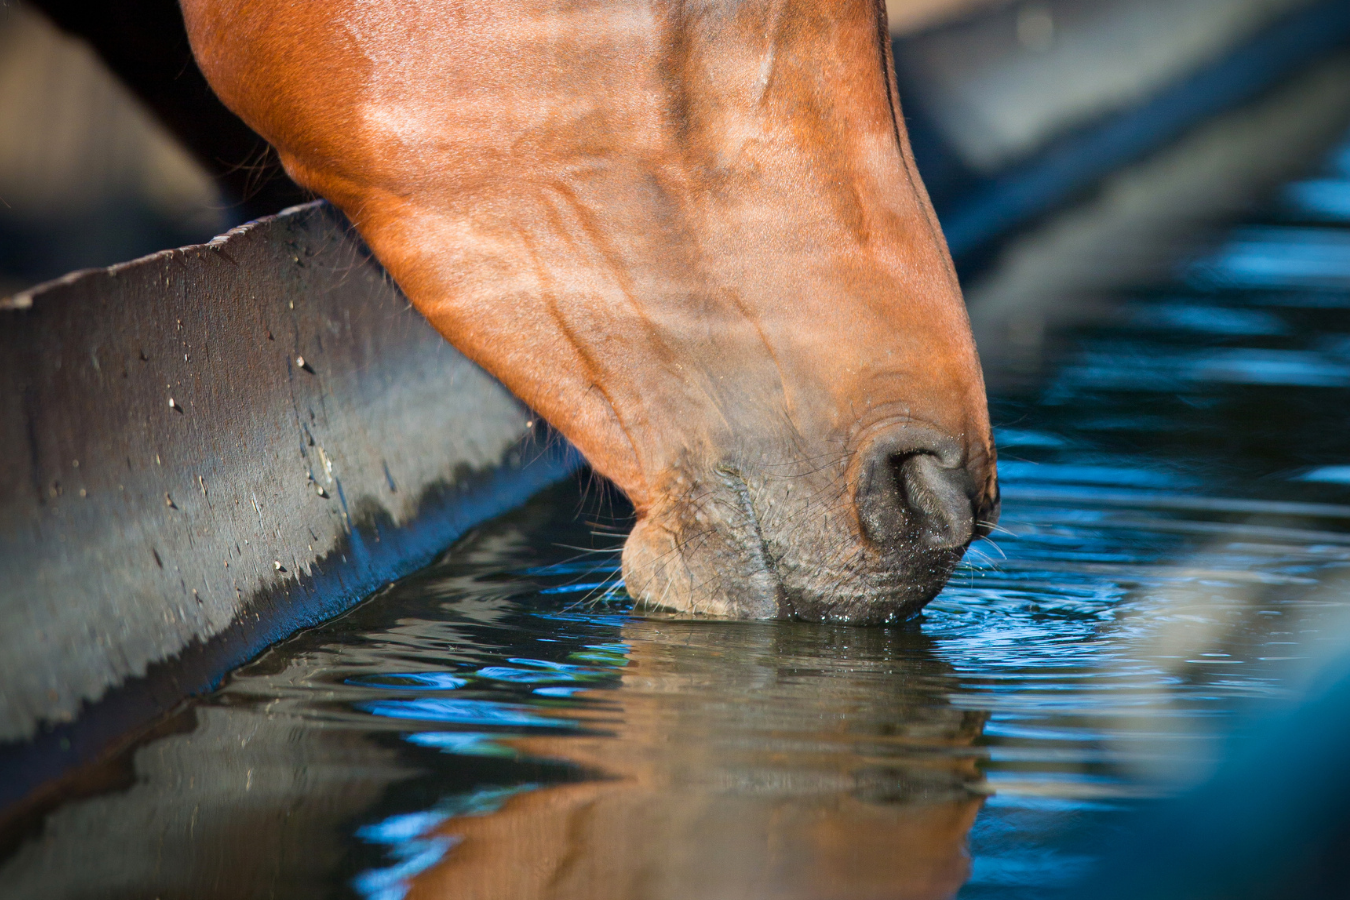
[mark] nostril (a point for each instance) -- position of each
(938, 498)
(912, 496)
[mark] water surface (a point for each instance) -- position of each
(1171, 565)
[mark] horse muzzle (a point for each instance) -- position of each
(870, 539)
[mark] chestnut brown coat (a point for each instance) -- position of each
(690, 234)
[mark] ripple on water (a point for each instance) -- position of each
(1173, 555)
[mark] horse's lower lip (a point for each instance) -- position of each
(855, 611)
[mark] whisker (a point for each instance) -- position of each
(995, 545)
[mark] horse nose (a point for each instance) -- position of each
(913, 488)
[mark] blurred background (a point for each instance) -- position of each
(95, 104)
(88, 175)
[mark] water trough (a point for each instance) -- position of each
(210, 448)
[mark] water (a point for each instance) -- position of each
(1172, 565)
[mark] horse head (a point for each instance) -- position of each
(691, 236)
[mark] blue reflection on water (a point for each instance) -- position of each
(461, 743)
(1208, 319)
(465, 712)
(1015, 471)
(1323, 198)
(556, 691)
(1007, 438)
(1328, 474)
(1277, 256)
(409, 842)
(444, 681)
(1137, 369)
(570, 568)
(1260, 366)
(579, 588)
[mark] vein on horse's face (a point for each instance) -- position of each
(689, 234)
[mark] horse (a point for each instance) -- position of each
(691, 236)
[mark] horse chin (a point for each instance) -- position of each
(727, 557)
(883, 599)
